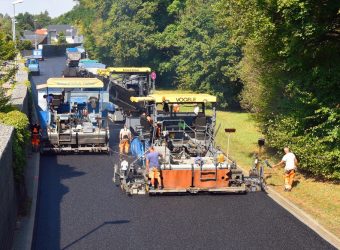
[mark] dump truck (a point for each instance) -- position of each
(73, 57)
(74, 115)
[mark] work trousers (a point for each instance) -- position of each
(154, 173)
(124, 146)
(289, 178)
(35, 140)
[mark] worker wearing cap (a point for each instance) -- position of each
(153, 167)
(291, 163)
(125, 138)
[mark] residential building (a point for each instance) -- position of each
(70, 32)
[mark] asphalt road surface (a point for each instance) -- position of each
(79, 207)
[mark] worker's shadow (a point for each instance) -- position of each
(115, 222)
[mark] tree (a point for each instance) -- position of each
(6, 25)
(25, 21)
(291, 71)
(24, 45)
(169, 36)
(42, 20)
(7, 52)
(61, 38)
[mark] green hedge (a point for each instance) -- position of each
(20, 122)
(317, 147)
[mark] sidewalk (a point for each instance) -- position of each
(24, 233)
(25, 225)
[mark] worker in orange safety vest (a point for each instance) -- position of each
(35, 136)
(125, 138)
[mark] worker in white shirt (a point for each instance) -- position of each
(196, 109)
(125, 138)
(290, 161)
(124, 165)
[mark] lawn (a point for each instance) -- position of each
(320, 199)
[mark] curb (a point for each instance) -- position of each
(34, 204)
(24, 236)
(304, 217)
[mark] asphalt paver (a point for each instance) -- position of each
(79, 207)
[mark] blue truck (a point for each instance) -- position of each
(38, 54)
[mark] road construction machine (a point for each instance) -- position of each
(73, 114)
(124, 83)
(182, 129)
(73, 57)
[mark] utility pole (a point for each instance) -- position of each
(35, 34)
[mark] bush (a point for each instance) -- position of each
(25, 45)
(316, 147)
(20, 122)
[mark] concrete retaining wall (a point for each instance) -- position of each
(9, 191)
(8, 204)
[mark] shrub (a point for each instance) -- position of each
(316, 145)
(20, 122)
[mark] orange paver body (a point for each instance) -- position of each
(182, 178)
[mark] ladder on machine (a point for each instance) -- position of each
(208, 175)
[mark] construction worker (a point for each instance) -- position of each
(290, 161)
(196, 110)
(125, 138)
(175, 107)
(153, 167)
(166, 108)
(35, 136)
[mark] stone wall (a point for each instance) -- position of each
(8, 204)
(8, 193)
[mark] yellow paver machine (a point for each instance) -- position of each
(181, 128)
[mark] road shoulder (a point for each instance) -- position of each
(304, 217)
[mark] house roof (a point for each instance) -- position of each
(41, 31)
(28, 33)
(31, 36)
(66, 29)
(58, 27)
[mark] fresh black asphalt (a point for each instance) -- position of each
(79, 207)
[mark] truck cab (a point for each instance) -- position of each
(38, 54)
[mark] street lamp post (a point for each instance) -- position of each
(13, 21)
(35, 34)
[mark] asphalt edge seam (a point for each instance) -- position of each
(304, 217)
(31, 223)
